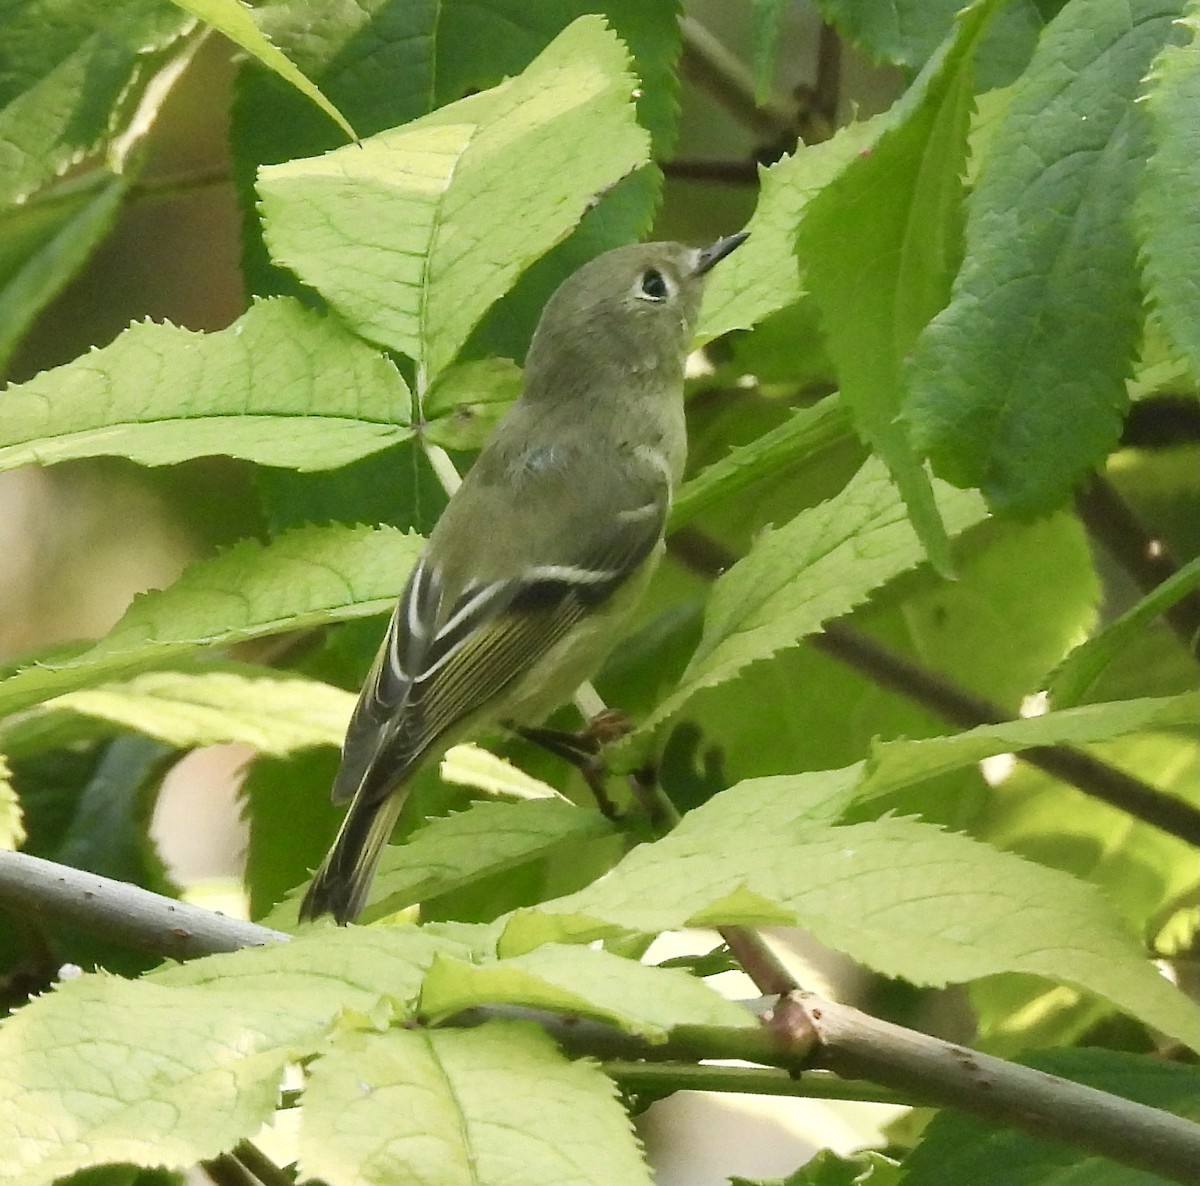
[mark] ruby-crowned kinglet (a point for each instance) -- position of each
(542, 550)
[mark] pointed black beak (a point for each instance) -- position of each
(706, 257)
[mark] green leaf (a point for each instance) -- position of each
(413, 234)
(902, 897)
(819, 566)
(470, 765)
(486, 839)
(107, 1070)
(307, 577)
(959, 1148)
(139, 1082)
(12, 831)
(908, 32)
(1070, 681)
(281, 386)
(44, 242)
(107, 832)
(807, 431)
(583, 982)
(291, 823)
(458, 850)
(275, 714)
(237, 23)
(878, 248)
(896, 764)
(446, 51)
(1169, 194)
(73, 78)
(762, 276)
(1025, 594)
(498, 1104)
(1018, 386)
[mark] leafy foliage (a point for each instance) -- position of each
(972, 271)
(1019, 382)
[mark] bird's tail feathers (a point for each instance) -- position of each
(340, 886)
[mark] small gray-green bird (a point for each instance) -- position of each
(542, 550)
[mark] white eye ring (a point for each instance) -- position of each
(652, 286)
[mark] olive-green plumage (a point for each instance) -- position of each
(542, 550)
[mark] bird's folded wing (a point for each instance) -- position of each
(438, 666)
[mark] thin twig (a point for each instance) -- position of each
(955, 703)
(1147, 559)
(718, 172)
(819, 102)
(759, 962)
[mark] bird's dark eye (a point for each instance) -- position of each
(653, 287)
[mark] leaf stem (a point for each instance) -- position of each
(660, 1079)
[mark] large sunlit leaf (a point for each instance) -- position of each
(308, 577)
(498, 1104)
(878, 248)
(413, 234)
(183, 1064)
(281, 386)
(903, 897)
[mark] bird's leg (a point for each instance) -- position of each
(583, 748)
